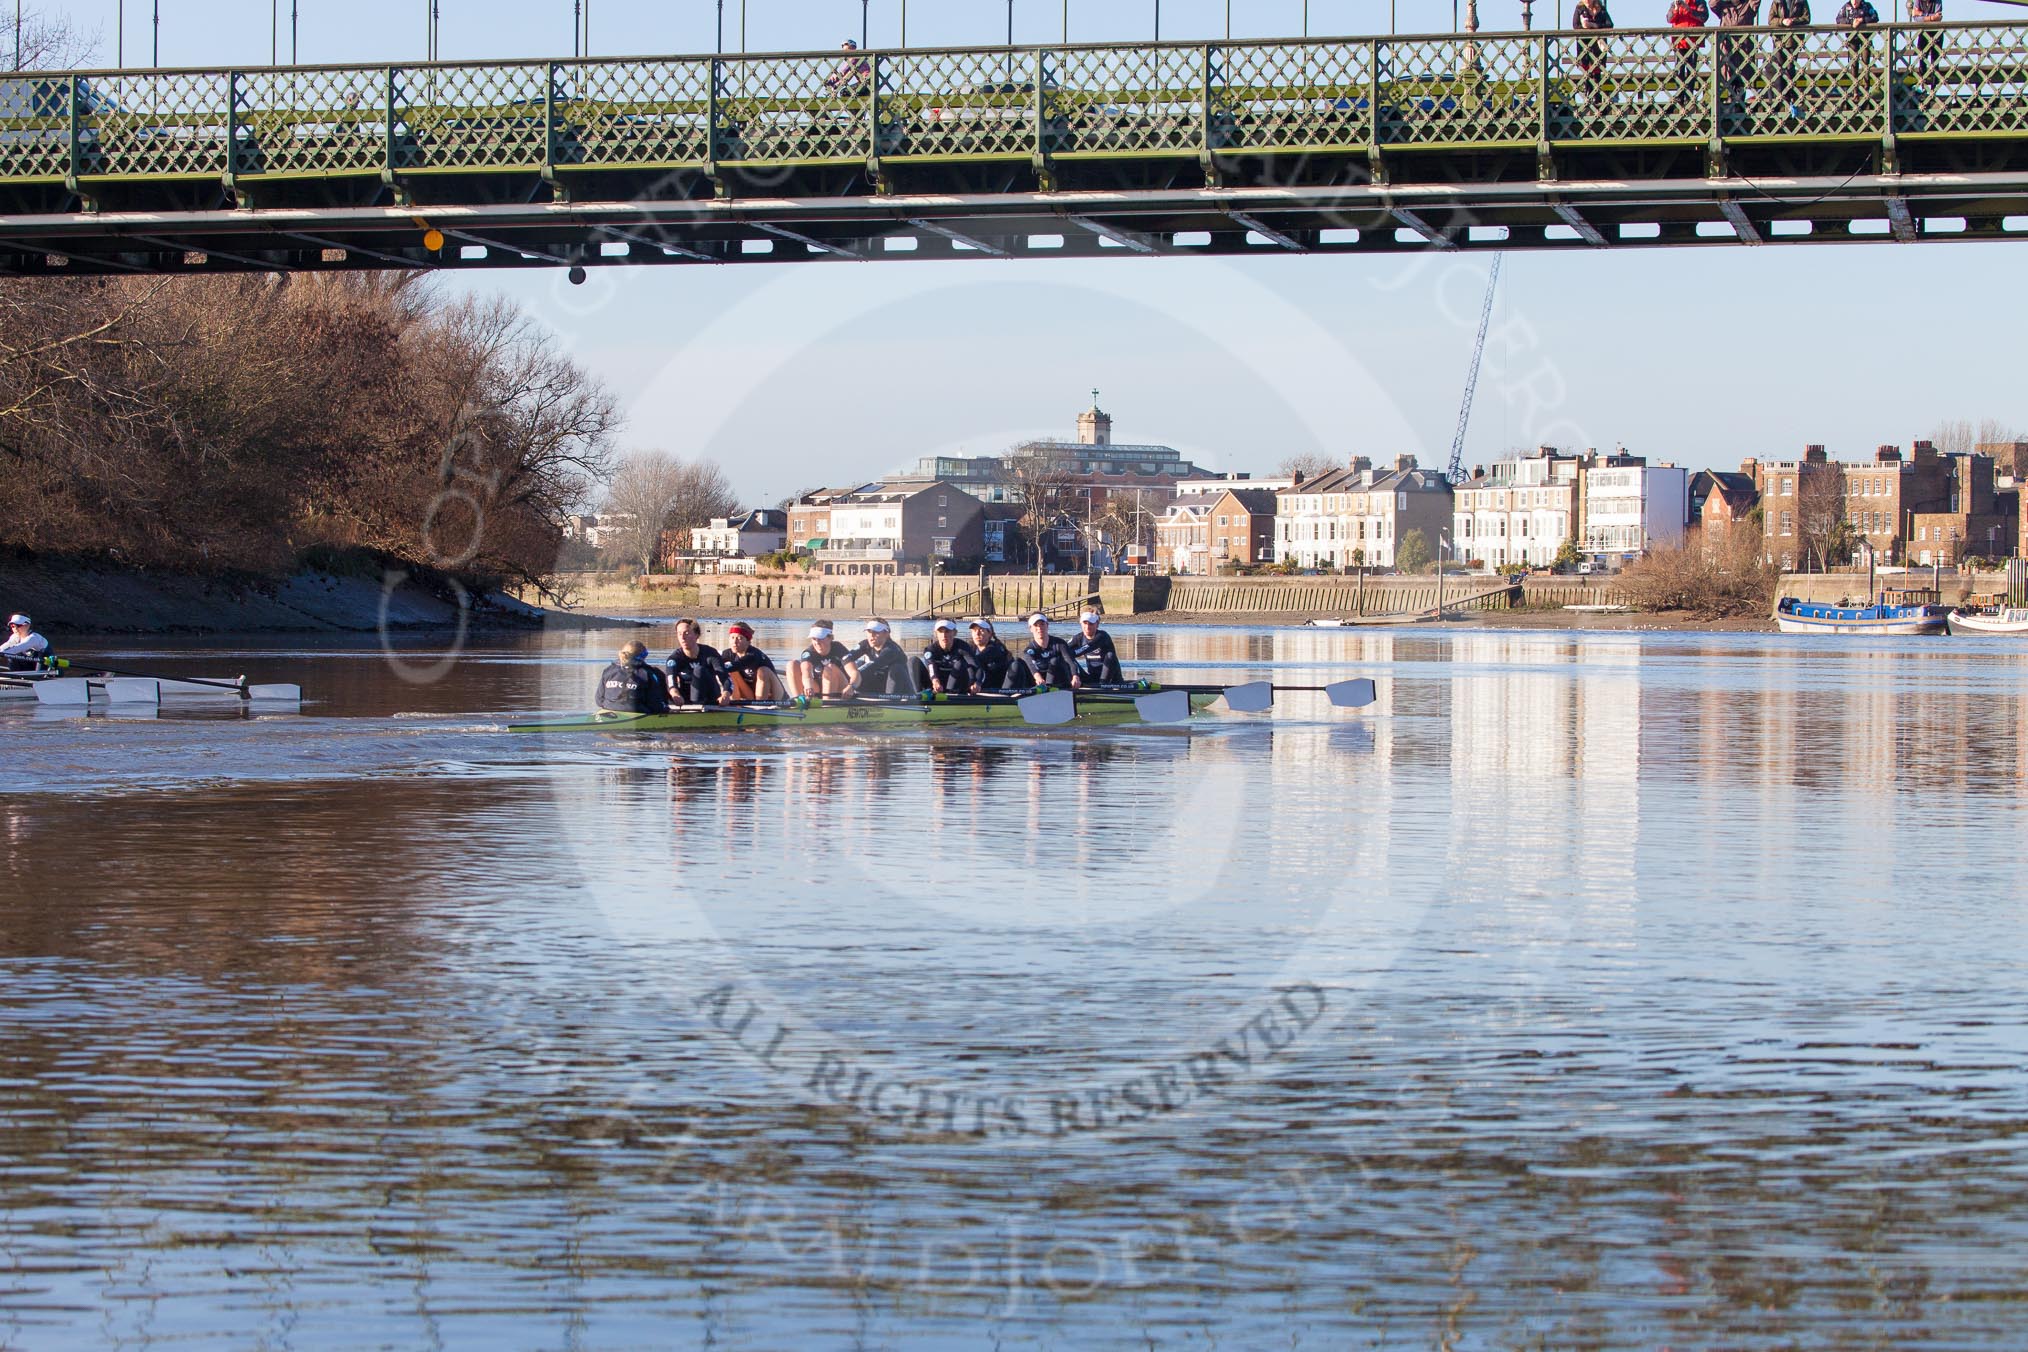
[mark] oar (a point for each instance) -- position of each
(238, 687)
(1255, 696)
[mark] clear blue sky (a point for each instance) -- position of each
(809, 373)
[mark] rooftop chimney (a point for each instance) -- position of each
(1888, 455)
(1404, 463)
(1814, 455)
(1360, 462)
(1298, 477)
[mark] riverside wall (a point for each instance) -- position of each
(1014, 594)
(1850, 587)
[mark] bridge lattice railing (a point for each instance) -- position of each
(1626, 87)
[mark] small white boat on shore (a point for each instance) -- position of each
(1990, 620)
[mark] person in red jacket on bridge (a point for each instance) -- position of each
(1687, 14)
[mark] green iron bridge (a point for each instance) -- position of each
(1629, 138)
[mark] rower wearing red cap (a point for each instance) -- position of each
(749, 673)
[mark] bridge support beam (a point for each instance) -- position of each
(1742, 224)
(957, 236)
(1422, 227)
(1265, 231)
(819, 245)
(1126, 239)
(1900, 221)
(1573, 218)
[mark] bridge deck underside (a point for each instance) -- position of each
(1627, 139)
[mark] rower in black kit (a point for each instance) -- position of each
(991, 661)
(631, 686)
(1092, 650)
(945, 666)
(696, 672)
(1045, 661)
(878, 665)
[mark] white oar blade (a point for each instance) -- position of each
(1052, 709)
(1167, 706)
(291, 693)
(1351, 694)
(132, 690)
(1252, 698)
(66, 690)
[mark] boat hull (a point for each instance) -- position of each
(1887, 621)
(1099, 711)
(2008, 622)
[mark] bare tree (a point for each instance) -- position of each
(50, 42)
(1961, 436)
(1820, 510)
(1048, 487)
(1309, 464)
(1716, 574)
(656, 494)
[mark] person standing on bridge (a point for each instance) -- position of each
(1928, 42)
(1857, 15)
(854, 74)
(1734, 51)
(1790, 17)
(1589, 16)
(1687, 14)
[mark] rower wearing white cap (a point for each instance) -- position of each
(1092, 650)
(990, 658)
(1045, 661)
(820, 668)
(24, 649)
(878, 665)
(946, 664)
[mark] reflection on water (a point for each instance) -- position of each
(1589, 990)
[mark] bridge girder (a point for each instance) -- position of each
(1368, 145)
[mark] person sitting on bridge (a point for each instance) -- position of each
(1858, 14)
(1687, 14)
(1590, 16)
(854, 74)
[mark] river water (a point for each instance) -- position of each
(1586, 990)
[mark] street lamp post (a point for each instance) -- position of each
(155, 51)
(862, 24)
(292, 31)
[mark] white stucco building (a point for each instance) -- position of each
(1521, 512)
(1630, 507)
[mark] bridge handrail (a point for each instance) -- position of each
(1368, 95)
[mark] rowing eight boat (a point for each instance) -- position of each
(942, 711)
